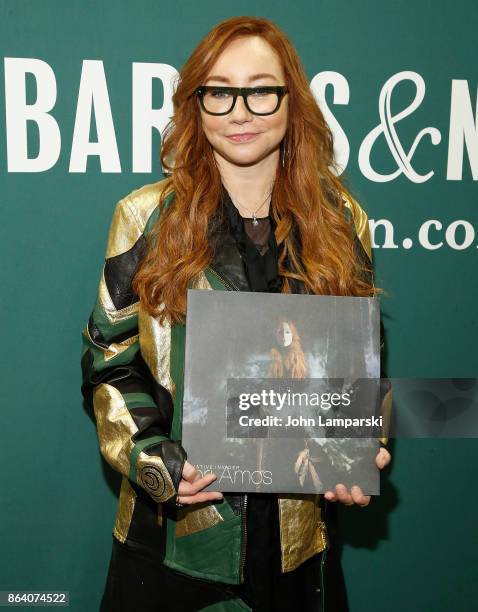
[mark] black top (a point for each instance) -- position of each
(265, 587)
(257, 246)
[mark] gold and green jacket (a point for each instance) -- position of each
(132, 370)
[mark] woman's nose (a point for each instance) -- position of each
(240, 109)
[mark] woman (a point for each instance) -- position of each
(251, 203)
(288, 360)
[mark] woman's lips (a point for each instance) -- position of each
(242, 137)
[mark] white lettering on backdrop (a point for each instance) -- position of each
(93, 105)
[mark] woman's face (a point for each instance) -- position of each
(284, 334)
(238, 66)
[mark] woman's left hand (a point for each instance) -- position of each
(355, 496)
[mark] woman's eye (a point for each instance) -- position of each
(219, 94)
(258, 93)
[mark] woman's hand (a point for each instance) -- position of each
(191, 485)
(356, 496)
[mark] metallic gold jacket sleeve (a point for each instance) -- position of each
(364, 247)
(132, 411)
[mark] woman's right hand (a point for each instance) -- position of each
(191, 485)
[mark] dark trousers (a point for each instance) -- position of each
(138, 581)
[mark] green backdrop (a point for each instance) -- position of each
(414, 547)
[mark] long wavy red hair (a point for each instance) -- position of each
(294, 360)
(306, 191)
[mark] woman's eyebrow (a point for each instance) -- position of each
(254, 77)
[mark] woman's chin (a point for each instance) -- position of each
(244, 157)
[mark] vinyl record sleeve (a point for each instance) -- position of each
(236, 341)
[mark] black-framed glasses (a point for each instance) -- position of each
(265, 100)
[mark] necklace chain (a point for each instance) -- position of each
(254, 213)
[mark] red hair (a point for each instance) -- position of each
(306, 193)
(294, 360)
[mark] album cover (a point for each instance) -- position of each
(281, 390)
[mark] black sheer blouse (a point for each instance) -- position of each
(257, 245)
(265, 587)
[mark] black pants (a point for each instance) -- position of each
(138, 581)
